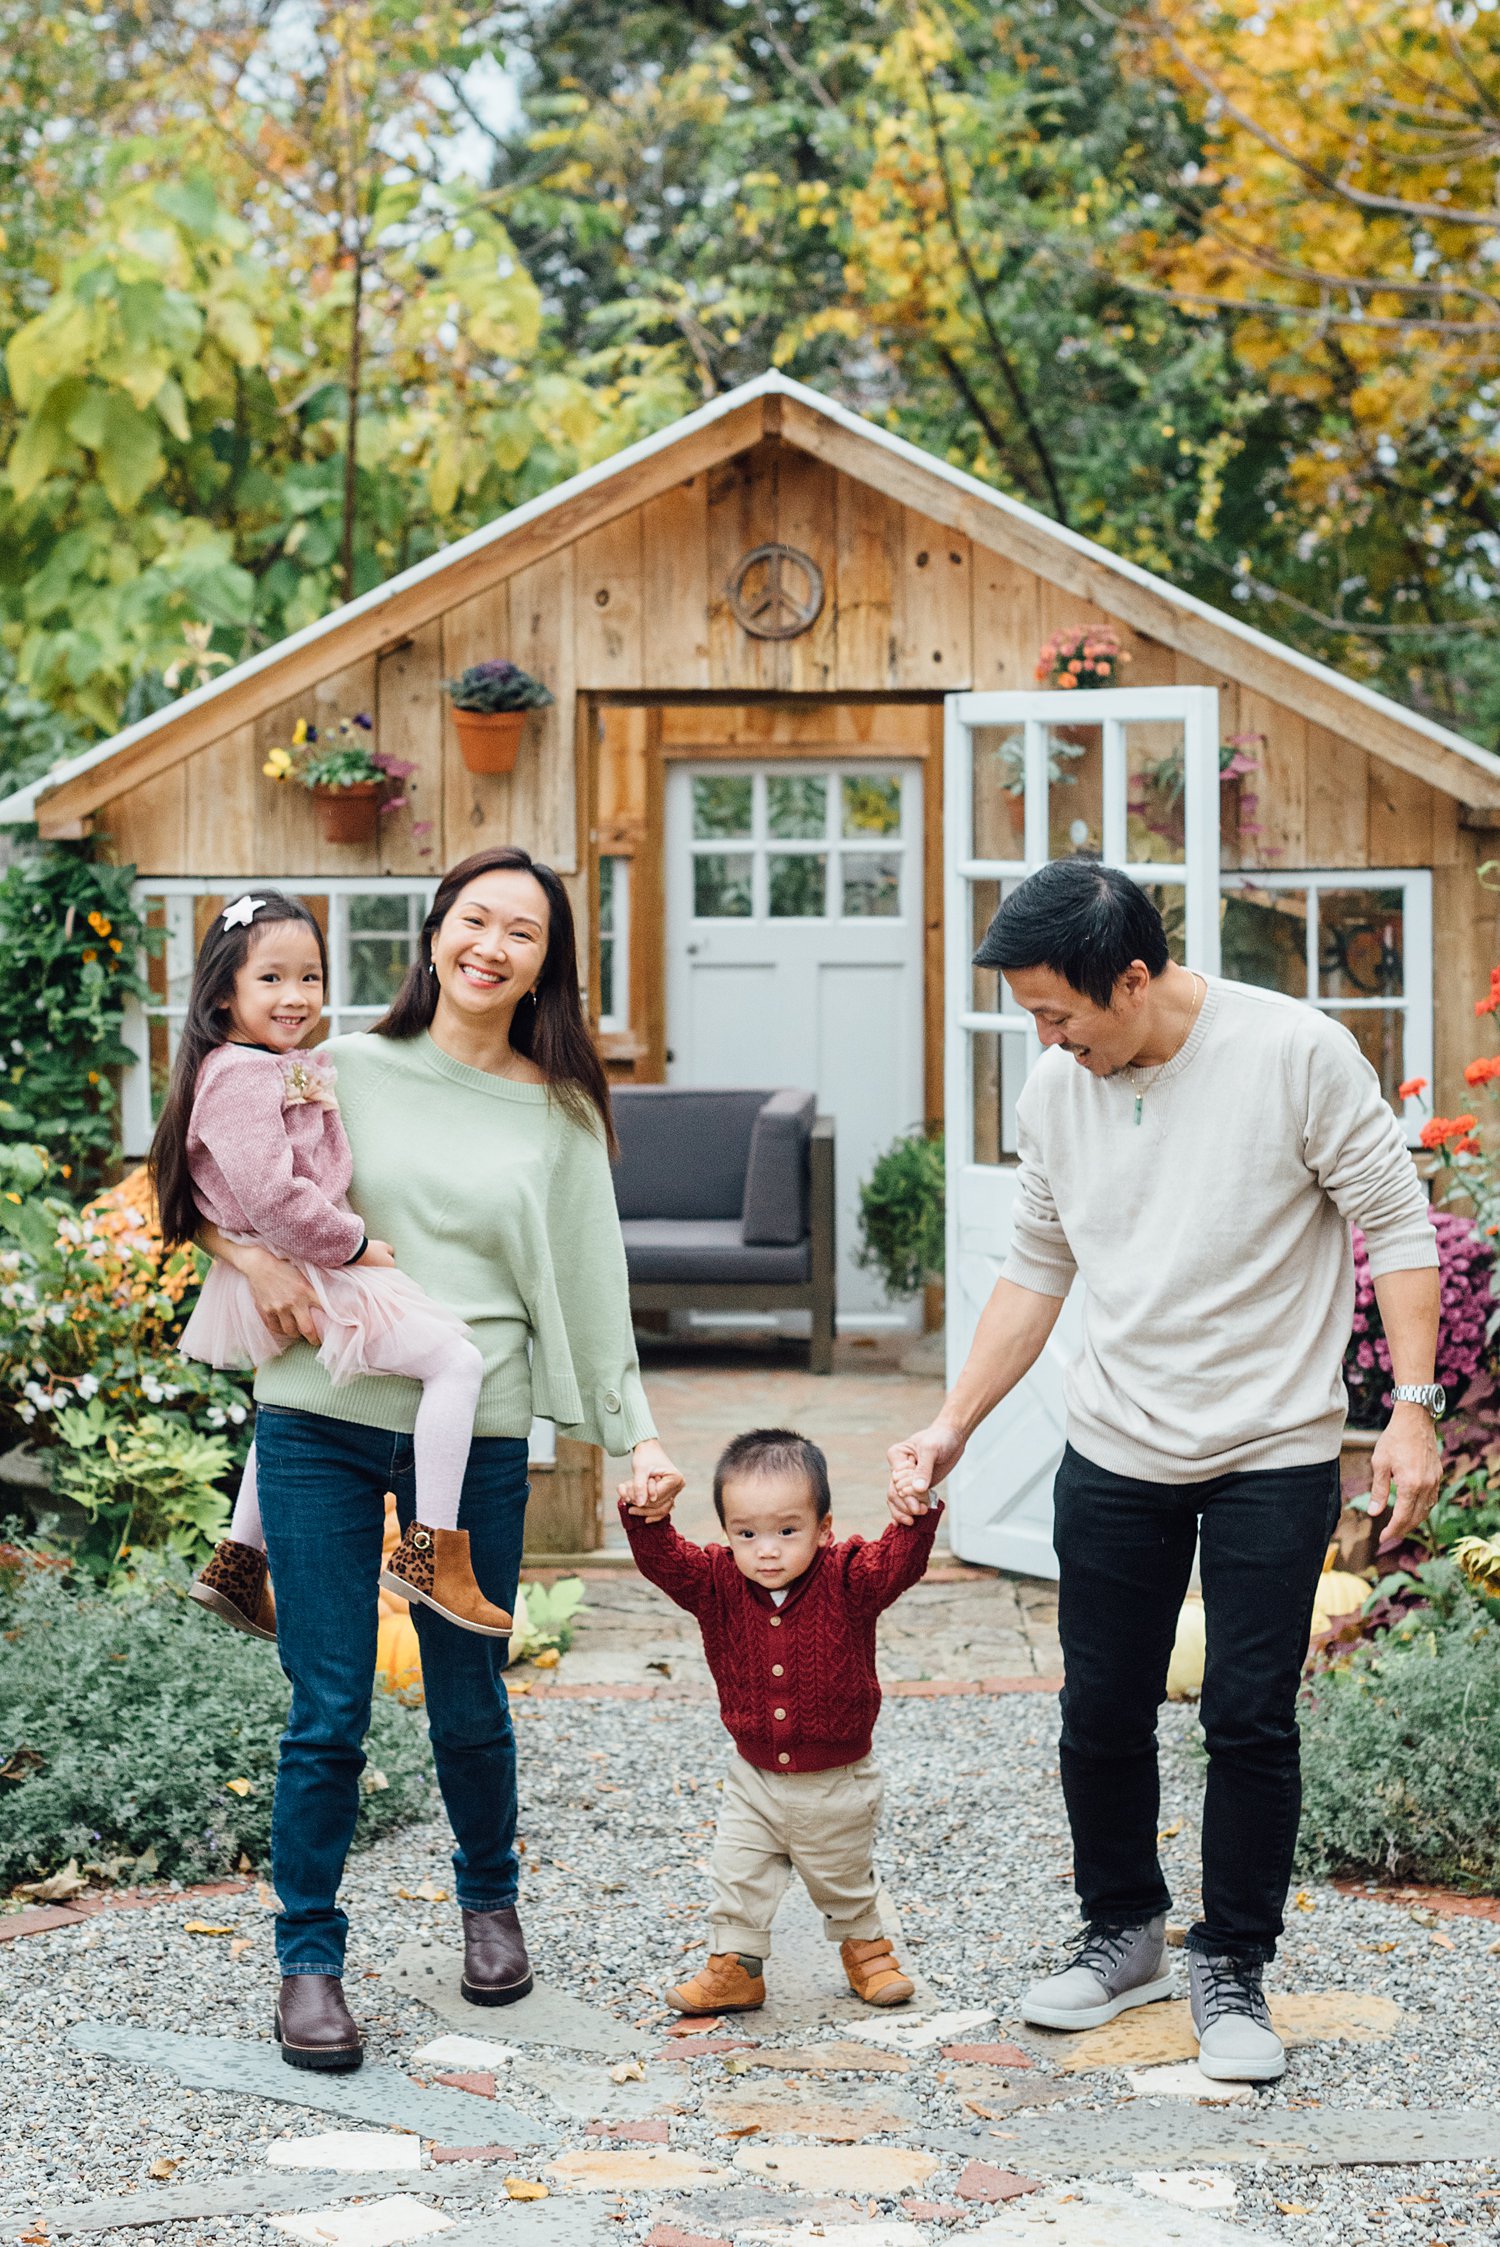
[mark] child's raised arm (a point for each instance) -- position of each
(669, 1560)
(239, 1120)
(880, 1571)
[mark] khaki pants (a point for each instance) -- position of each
(820, 1824)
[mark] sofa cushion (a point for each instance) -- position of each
(775, 1211)
(707, 1251)
(683, 1151)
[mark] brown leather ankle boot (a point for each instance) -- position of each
(314, 2027)
(235, 1585)
(433, 1566)
(496, 1968)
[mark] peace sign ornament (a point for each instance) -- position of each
(776, 591)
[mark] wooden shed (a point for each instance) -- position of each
(751, 623)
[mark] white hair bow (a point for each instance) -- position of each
(243, 911)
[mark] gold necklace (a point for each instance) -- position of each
(1199, 995)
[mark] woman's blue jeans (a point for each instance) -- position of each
(322, 1496)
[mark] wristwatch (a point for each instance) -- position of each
(1429, 1393)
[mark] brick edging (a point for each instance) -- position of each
(39, 1919)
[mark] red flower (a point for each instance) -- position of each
(1412, 1089)
(1439, 1130)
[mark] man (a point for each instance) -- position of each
(1196, 1151)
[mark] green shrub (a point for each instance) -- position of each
(124, 1718)
(147, 1482)
(1401, 1751)
(901, 1215)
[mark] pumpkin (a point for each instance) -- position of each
(1185, 1670)
(391, 1603)
(398, 1658)
(1338, 1594)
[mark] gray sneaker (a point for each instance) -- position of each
(1111, 1969)
(1236, 2042)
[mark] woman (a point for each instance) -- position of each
(478, 1115)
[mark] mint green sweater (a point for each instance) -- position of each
(501, 1206)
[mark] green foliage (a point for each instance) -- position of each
(90, 1312)
(130, 1714)
(1401, 1749)
(901, 1215)
(71, 937)
(498, 685)
(150, 1481)
(545, 1622)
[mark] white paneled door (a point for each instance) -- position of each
(1130, 776)
(794, 954)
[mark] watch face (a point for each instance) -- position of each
(1439, 1401)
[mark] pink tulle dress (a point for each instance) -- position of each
(270, 1163)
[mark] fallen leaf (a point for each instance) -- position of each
(204, 1927)
(428, 1893)
(628, 2071)
(524, 2188)
(241, 1787)
(1170, 1833)
(1293, 2208)
(1306, 1903)
(266, 1897)
(239, 1946)
(517, 1685)
(374, 1782)
(1444, 1942)
(547, 1660)
(161, 2167)
(38, 2236)
(57, 1887)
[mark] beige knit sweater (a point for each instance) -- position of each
(1211, 1229)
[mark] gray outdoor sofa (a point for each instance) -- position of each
(726, 1202)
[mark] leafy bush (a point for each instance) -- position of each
(71, 939)
(1401, 1748)
(151, 1482)
(901, 1215)
(128, 1721)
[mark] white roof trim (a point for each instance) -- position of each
(22, 806)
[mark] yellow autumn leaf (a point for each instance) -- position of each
(241, 1787)
(524, 2188)
(204, 1927)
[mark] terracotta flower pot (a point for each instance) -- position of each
(351, 814)
(488, 739)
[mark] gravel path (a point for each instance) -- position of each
(618, 1804)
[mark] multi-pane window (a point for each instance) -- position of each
(614, 943)
(371, 927)
(1357, 946)
(797, 845)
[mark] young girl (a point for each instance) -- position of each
(250, 1139)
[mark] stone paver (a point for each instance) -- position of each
(429, 1971)
(632, 2169)
(376, 2094)
(348, 2149)
(885, 2171)
(378, 2223)
(1186, 2137)
(1110, 2218)
(1164, 2032)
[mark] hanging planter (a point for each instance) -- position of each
(349, 779)
(488, 739)
(490, 702)
(350, 814)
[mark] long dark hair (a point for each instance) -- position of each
(549, 1027)
(221, 955)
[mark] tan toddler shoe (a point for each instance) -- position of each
(721, 1986)
(875, 1974)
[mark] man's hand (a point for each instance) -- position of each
(377, 1256)
(283, 1297)
(655, 1483)
(918, 1465)
(1408, 1457)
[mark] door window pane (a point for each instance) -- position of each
(796, 807)
(1263, 939)
(376, 968)
(721, 885)
(1155, 829)
(1170, 900)
(999, 791)
(872, 886)
(1075, 791)
(872, 805)
(999, 1071)
(1380, 1033)
(798, 886)
(722, 805)
(1359, 944)
(373, 912)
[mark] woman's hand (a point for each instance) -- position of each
(378, 1256)
(283, 1296)
(655, 1483)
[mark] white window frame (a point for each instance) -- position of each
(339, 1011)
(760, 846)
(617, 1021)
(1415, 1003)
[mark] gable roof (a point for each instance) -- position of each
(770, 405)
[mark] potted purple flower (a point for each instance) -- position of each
(490, 701)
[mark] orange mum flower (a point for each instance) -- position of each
(1439, 1130)
(1483, 1071)
(1412, 1089)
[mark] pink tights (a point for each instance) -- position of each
(451, 1376)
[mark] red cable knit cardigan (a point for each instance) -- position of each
(797, 1683)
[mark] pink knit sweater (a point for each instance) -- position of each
(269, 1157)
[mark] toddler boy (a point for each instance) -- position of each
(788, 1621)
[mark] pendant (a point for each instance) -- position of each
(1138, 1099)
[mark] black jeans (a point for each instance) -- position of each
(1125, 1548)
